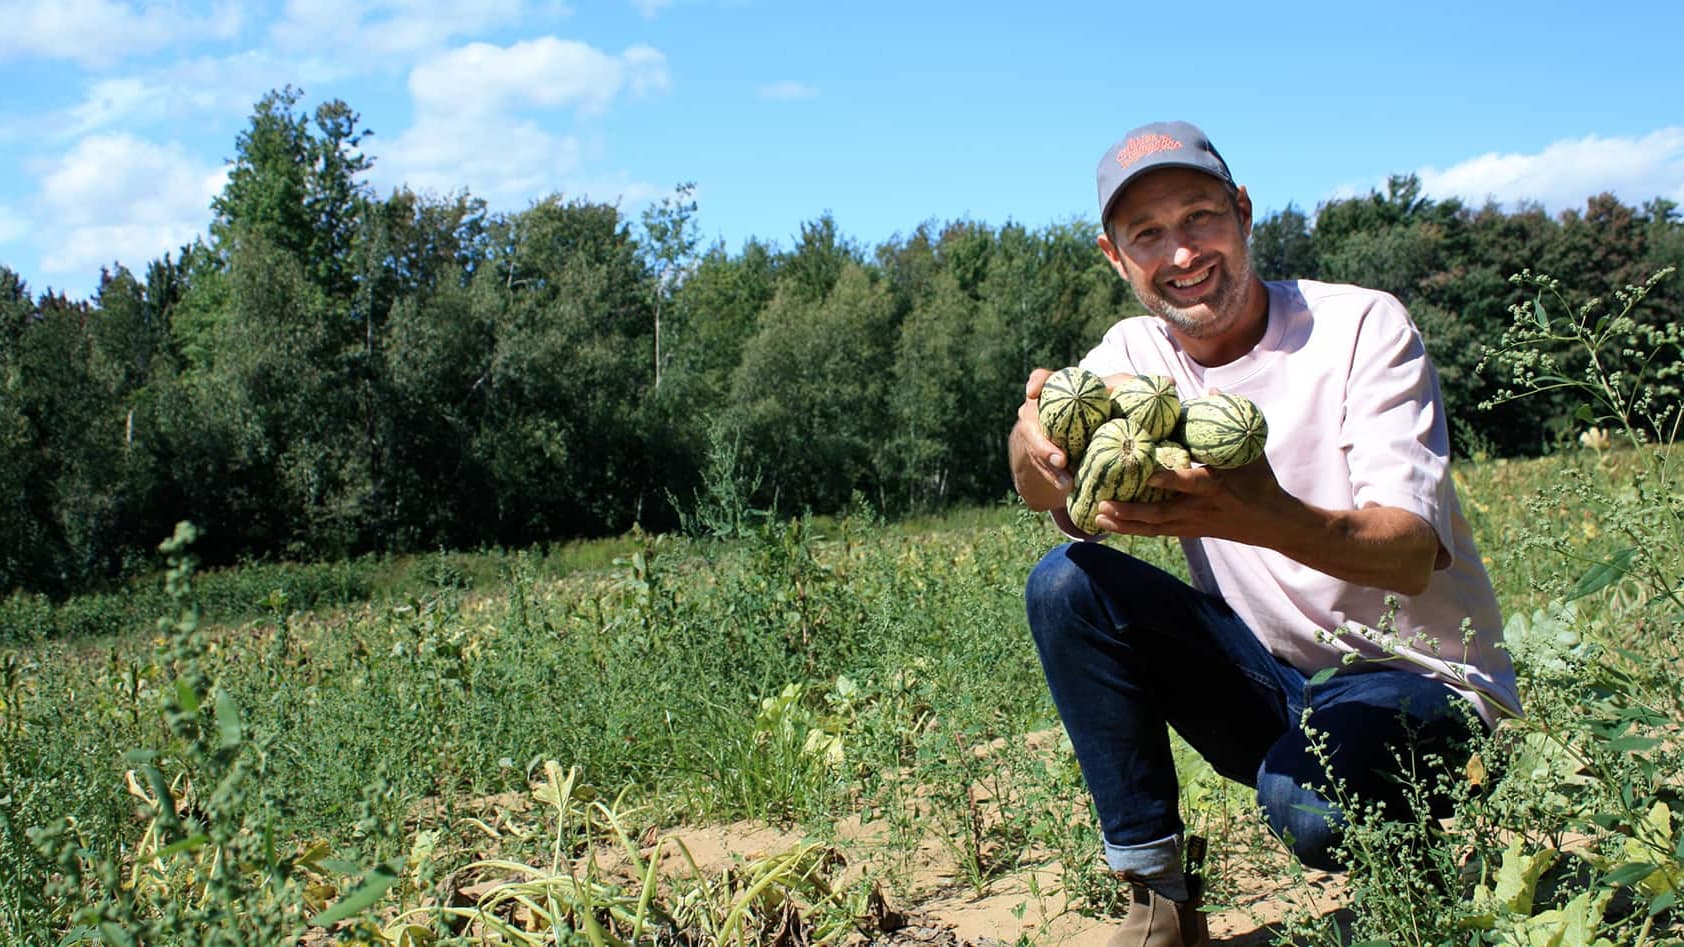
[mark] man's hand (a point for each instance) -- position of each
(1038, 465)
(1244, 504)
(1378, 546)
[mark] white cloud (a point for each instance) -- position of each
(483, 79)
(649, 8)
(787, 91)
(1564, 174)
(507, 163)
(97, 33)
(112, 101)
(118, 198)
(646, 69)
(188, 89)
(486, 116)
(395, 27)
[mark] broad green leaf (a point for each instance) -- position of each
(368, 891)
(162, 798)
(414, 935)
(116, 934)
(79, 935)
(1628, 874)
(1585, 414)
(1573, 925)
(1603, 574)
(227, 720)
(1632, 744)
(1517, 879)
(1324, 675)
(185, 696)
(1539, 315)
(187, 844)
(313, 854)
(1655, 834)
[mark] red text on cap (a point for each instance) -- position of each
(1138, 148)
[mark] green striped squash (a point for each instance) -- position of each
(1150, 401)
(1170, 456)
(1117, 465)
(1073, 404)
(1223, 430)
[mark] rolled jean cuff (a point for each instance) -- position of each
(1147, 862)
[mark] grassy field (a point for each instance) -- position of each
(504, 748)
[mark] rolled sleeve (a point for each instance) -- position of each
(1394, 436)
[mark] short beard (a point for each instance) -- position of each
(1225, 306)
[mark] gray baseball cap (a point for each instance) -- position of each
(1149, 147)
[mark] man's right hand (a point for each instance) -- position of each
(1038, 465)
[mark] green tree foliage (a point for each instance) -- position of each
(670, 244)
(421, 347)
(297, 189)
(17, 310)
(437, 366)
(19, 483)
(712, 315)
(76, 483)
(809, 390)
(931, 398)
(1283, 248)
(290, 401)
(818, 260)
(569, 300)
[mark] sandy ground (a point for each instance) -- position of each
(937, 907)
(924, 897)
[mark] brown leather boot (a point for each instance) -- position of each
(1156, 921)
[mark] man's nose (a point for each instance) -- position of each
(1184, 255)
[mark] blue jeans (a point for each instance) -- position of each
(1130, 650)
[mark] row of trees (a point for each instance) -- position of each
(331, 371)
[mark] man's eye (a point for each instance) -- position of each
(1147, 234)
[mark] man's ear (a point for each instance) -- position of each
(1242, 202)
(1107, 247)
(1110, 250)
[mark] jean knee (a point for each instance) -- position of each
(1309, 825)
(1055, 589)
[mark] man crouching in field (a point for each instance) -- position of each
(1343, 547)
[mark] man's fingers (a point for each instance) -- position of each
(1037, 378)
(1043, 455)
(1049, 458)
(1054, 467)
(1139, 519)
(1191, 480)
(1046, 455)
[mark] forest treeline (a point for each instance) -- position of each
(330, 371)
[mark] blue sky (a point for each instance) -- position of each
(117, 116)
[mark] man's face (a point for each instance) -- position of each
(1179, 238)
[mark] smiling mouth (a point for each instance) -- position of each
(1190, 282)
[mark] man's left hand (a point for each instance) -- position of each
(1383, 547)
(1237, 504)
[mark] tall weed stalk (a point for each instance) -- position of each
(1564, 832)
